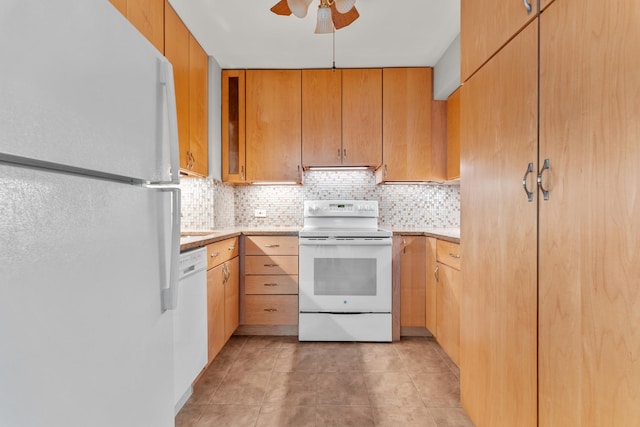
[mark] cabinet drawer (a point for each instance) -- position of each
(271, 309)
(221, 251)
(448, 253)
(276, 264)
(271, 285)
(271, 245)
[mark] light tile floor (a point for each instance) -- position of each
(278, 381)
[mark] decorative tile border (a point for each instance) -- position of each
(208, 203)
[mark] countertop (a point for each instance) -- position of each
(197, 238)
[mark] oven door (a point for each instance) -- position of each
(345, 275)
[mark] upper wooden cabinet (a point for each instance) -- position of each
(198, 109)
(409, 151)
(233, 126)
(486, 26)
(190, 74)
(362, 117)
(321, 117)
(273, 125)
(177, 52)
(147, 16)
(453, 135)
(342, 117)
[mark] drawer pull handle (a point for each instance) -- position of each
(271, 265)
(271, 284)
(231, 248)
(452, 255)
(435, 273)
(271, 246)
(271, 310)
(215, 254)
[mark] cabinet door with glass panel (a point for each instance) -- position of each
(233, 126)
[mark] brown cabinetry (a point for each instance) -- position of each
(223, 277)
(271, 280)
(190, 73)
(233, 126)
(410, 153)
(147, 16)
(487, 26)
(273, 125)
(448, 282)
(412, 281)
(453, 135)
(342, 117)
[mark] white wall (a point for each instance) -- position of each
(446, 77)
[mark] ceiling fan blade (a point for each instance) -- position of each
(281, 8)
(341, 20)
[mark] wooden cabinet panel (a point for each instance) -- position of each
(321, 117)
(271, 309)
(233, 126)
(453, 135)
(271, 245)
(121, 5)
(271, 264)
(408, 149)
(486, 26)
(147, 16)
(448, 253)
(362, 117)
(498, 336)
(215, 310)
(198, 108)
(232, 298)
(431, 286)
(276, 285)
(448, 310)
(274, 125)
(221, 251)
(413, 281)
(177, 52)
(589, 244)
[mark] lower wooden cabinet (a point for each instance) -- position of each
(443, 281)
(412, 281)
(223, 295)
(271, 280)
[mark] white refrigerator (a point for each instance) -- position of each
(89, 219)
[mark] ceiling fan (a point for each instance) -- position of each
(332, 14)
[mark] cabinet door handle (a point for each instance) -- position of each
(272, 246)
(524, 182)
(452, 255)
(213, 255)
(231, 248)
(385, 173)
(404, 246)
(545, 193)
(242, 172)
(339, 154)
(435, 273)
(271, 310)
(527, 6)
(344, 153)
(271, 284)
(225, 274)
(271, 265)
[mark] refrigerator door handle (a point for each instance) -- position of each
(170, 292)
(170, 115)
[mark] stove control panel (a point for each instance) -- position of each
(341, 208)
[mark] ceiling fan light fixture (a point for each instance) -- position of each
(344, 6)
(299, 7)
(324, 25)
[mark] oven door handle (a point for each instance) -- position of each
(344, 242)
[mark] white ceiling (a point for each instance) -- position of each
(246, 34)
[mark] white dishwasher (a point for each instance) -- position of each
(190, 324)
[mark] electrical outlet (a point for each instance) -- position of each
(260, 213)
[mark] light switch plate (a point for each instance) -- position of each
(260, 213)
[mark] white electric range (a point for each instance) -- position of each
(345, 273)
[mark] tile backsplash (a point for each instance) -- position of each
(208, 203)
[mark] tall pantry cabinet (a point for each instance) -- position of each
(561, 271)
